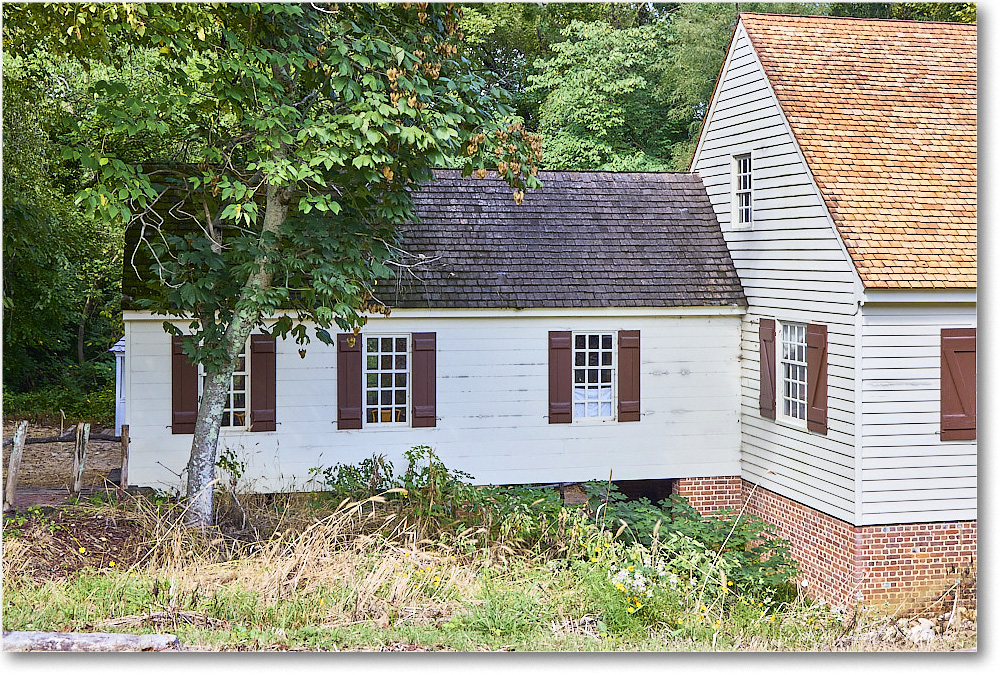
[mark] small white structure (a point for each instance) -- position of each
(119, 351)
(592, 329)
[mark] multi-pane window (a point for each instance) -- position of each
(235, 412)
(793, 370)
(387, 365)
(593, 375)
(743, 207)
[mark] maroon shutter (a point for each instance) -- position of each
(958, 384)
(560, 377)
(767, 370)
(262, 383)
(184, 389)
(423, 385)
(628, 376)
(816, 377)
(349, 381)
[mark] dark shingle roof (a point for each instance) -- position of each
(585, 239)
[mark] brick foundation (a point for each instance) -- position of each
(709, 494)
(906, 565)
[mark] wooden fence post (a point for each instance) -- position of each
(124, 476)
(80, 455)
(14, 465)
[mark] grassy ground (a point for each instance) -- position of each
(366, 576)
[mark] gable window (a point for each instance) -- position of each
(386, 378)
(236, 407)
(593, 375)
(742, 192)
(793, 371)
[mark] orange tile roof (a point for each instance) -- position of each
(885, 114)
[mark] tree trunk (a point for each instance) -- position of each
(80, 329)
(205, 444)
(33, 641)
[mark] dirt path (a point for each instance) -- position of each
(50, 465)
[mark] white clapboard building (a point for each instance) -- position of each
(790, 326)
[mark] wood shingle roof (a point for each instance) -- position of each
(885, 115)
(586, 239)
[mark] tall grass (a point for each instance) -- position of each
(450, 567)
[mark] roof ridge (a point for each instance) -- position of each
(871, 19)
(593, 172)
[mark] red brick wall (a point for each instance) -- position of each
(908, 565)
(710, 494)
(822, 545)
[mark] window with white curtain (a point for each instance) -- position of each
(593, 375)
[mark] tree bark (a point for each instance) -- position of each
(205, 444)
(36, 641)
(80, 330)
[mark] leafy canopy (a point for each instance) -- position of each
(287, 140)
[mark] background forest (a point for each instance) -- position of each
(618, 87)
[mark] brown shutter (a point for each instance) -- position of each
(560, 377)
(628, 376)
(349, 381)
(184, 389)
(958, 384)
(423, 385)
(767, 370)
(816, 377)
(262, 383)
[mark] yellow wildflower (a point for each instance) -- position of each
(111, 563)
(83, 550)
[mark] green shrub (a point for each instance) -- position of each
(747, 547)
(371, 476)
(96, 406)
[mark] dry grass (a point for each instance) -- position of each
(363, 574)
(366, 563)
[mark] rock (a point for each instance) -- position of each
(921, 630)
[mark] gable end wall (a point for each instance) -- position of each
(793, 267)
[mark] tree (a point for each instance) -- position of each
(291, 137)
(60, 279)
(598, 110)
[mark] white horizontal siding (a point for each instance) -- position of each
(793, 268)
(908, 473)
(492, 405)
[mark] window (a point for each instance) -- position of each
(251, 403)
(589, 372)
(593, 375)
(386, 378)
(742, 188)
(237, 405)
(793, 370)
